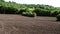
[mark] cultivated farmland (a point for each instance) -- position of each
(17, 24)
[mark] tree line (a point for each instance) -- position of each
(31, 10)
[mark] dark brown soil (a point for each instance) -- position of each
(17, 24)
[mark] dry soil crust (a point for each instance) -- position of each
(17, 24)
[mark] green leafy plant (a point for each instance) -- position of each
(2, 9)
(20, 11)
(55, 13)
(42, 12)
(58, 17)
(10, 10)
(30, 14)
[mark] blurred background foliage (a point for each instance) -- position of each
(38, 10)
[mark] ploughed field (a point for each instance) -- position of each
(17, 24)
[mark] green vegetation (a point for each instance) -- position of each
(55, 13)
(58, 17)
(42, 12)
(30, 14)
(31, 10)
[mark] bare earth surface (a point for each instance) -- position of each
(17, 24)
